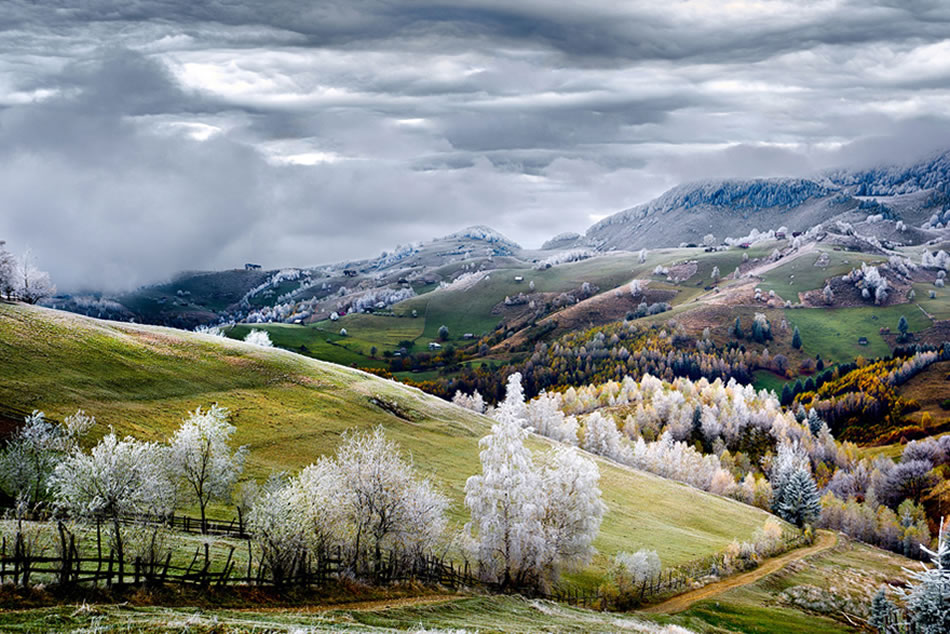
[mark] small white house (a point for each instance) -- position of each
(519, 278)
(434, 345)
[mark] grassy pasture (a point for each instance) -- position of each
(852, 570)
(800, 274)
(834, 332)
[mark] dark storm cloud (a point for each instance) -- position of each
(140, 137)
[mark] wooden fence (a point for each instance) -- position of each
(68, 567)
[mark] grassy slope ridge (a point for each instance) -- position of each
(291, 409)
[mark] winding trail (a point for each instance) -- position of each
(826, 541)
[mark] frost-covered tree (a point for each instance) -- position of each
(278, 529)
(828, 294)
(32, 284)
(7, 271)
(882, 612)
(529, 521)
(573, 511)
(31, 454)
(514, 404)
(116, 478)
(202, 460)
(628, 570)
(928, 600)
(386, 505)
(259, 338)
(443, 332)
(799, 502)
(715, 274)
(642, 256)
(505, 505)
(475, 402)
(547, 419)
(602, 437)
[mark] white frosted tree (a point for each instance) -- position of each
(7, 272)
(474, 402)
(573, 510)
(202, 460)
(602, 437)
(116, 479)
(505, 505)
(546, 418)
(514, 404)
(278, 528)
(319, 503)
(929, 598)
(642, 257)
(32, 285)
(386, 505)
(799, 502)
(30, 455)
(259, 338)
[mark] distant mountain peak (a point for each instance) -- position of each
(484, 234)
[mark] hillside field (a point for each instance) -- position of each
(290, 409)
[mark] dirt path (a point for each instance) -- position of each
(825, 541)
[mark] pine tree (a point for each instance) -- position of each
(814, 423)
(881, 611)
(902, 325)
(799, 502)
(929, 600)
(786, 395)
(797, 339)
(737, 329)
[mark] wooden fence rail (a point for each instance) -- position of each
(68, 567)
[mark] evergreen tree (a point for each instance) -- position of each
(799, 502)
(882, 611)
(797, 339)
(737, 329)
(698, 423)
(929, 600)
(786, 395)
(814, 423)
(819, 363)
(902, 325)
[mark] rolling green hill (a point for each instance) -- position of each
(290, 409)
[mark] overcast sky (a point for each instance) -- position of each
(142, 137)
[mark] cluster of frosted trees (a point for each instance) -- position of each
(870, 281)
(21, 280)
(366, 502)
(531, 517)
(572, 255)
(938, 260)
(43, 465)
(684, 430)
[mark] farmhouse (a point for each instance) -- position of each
(252, 267)
(434, 345)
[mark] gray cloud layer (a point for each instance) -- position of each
(138, 138)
